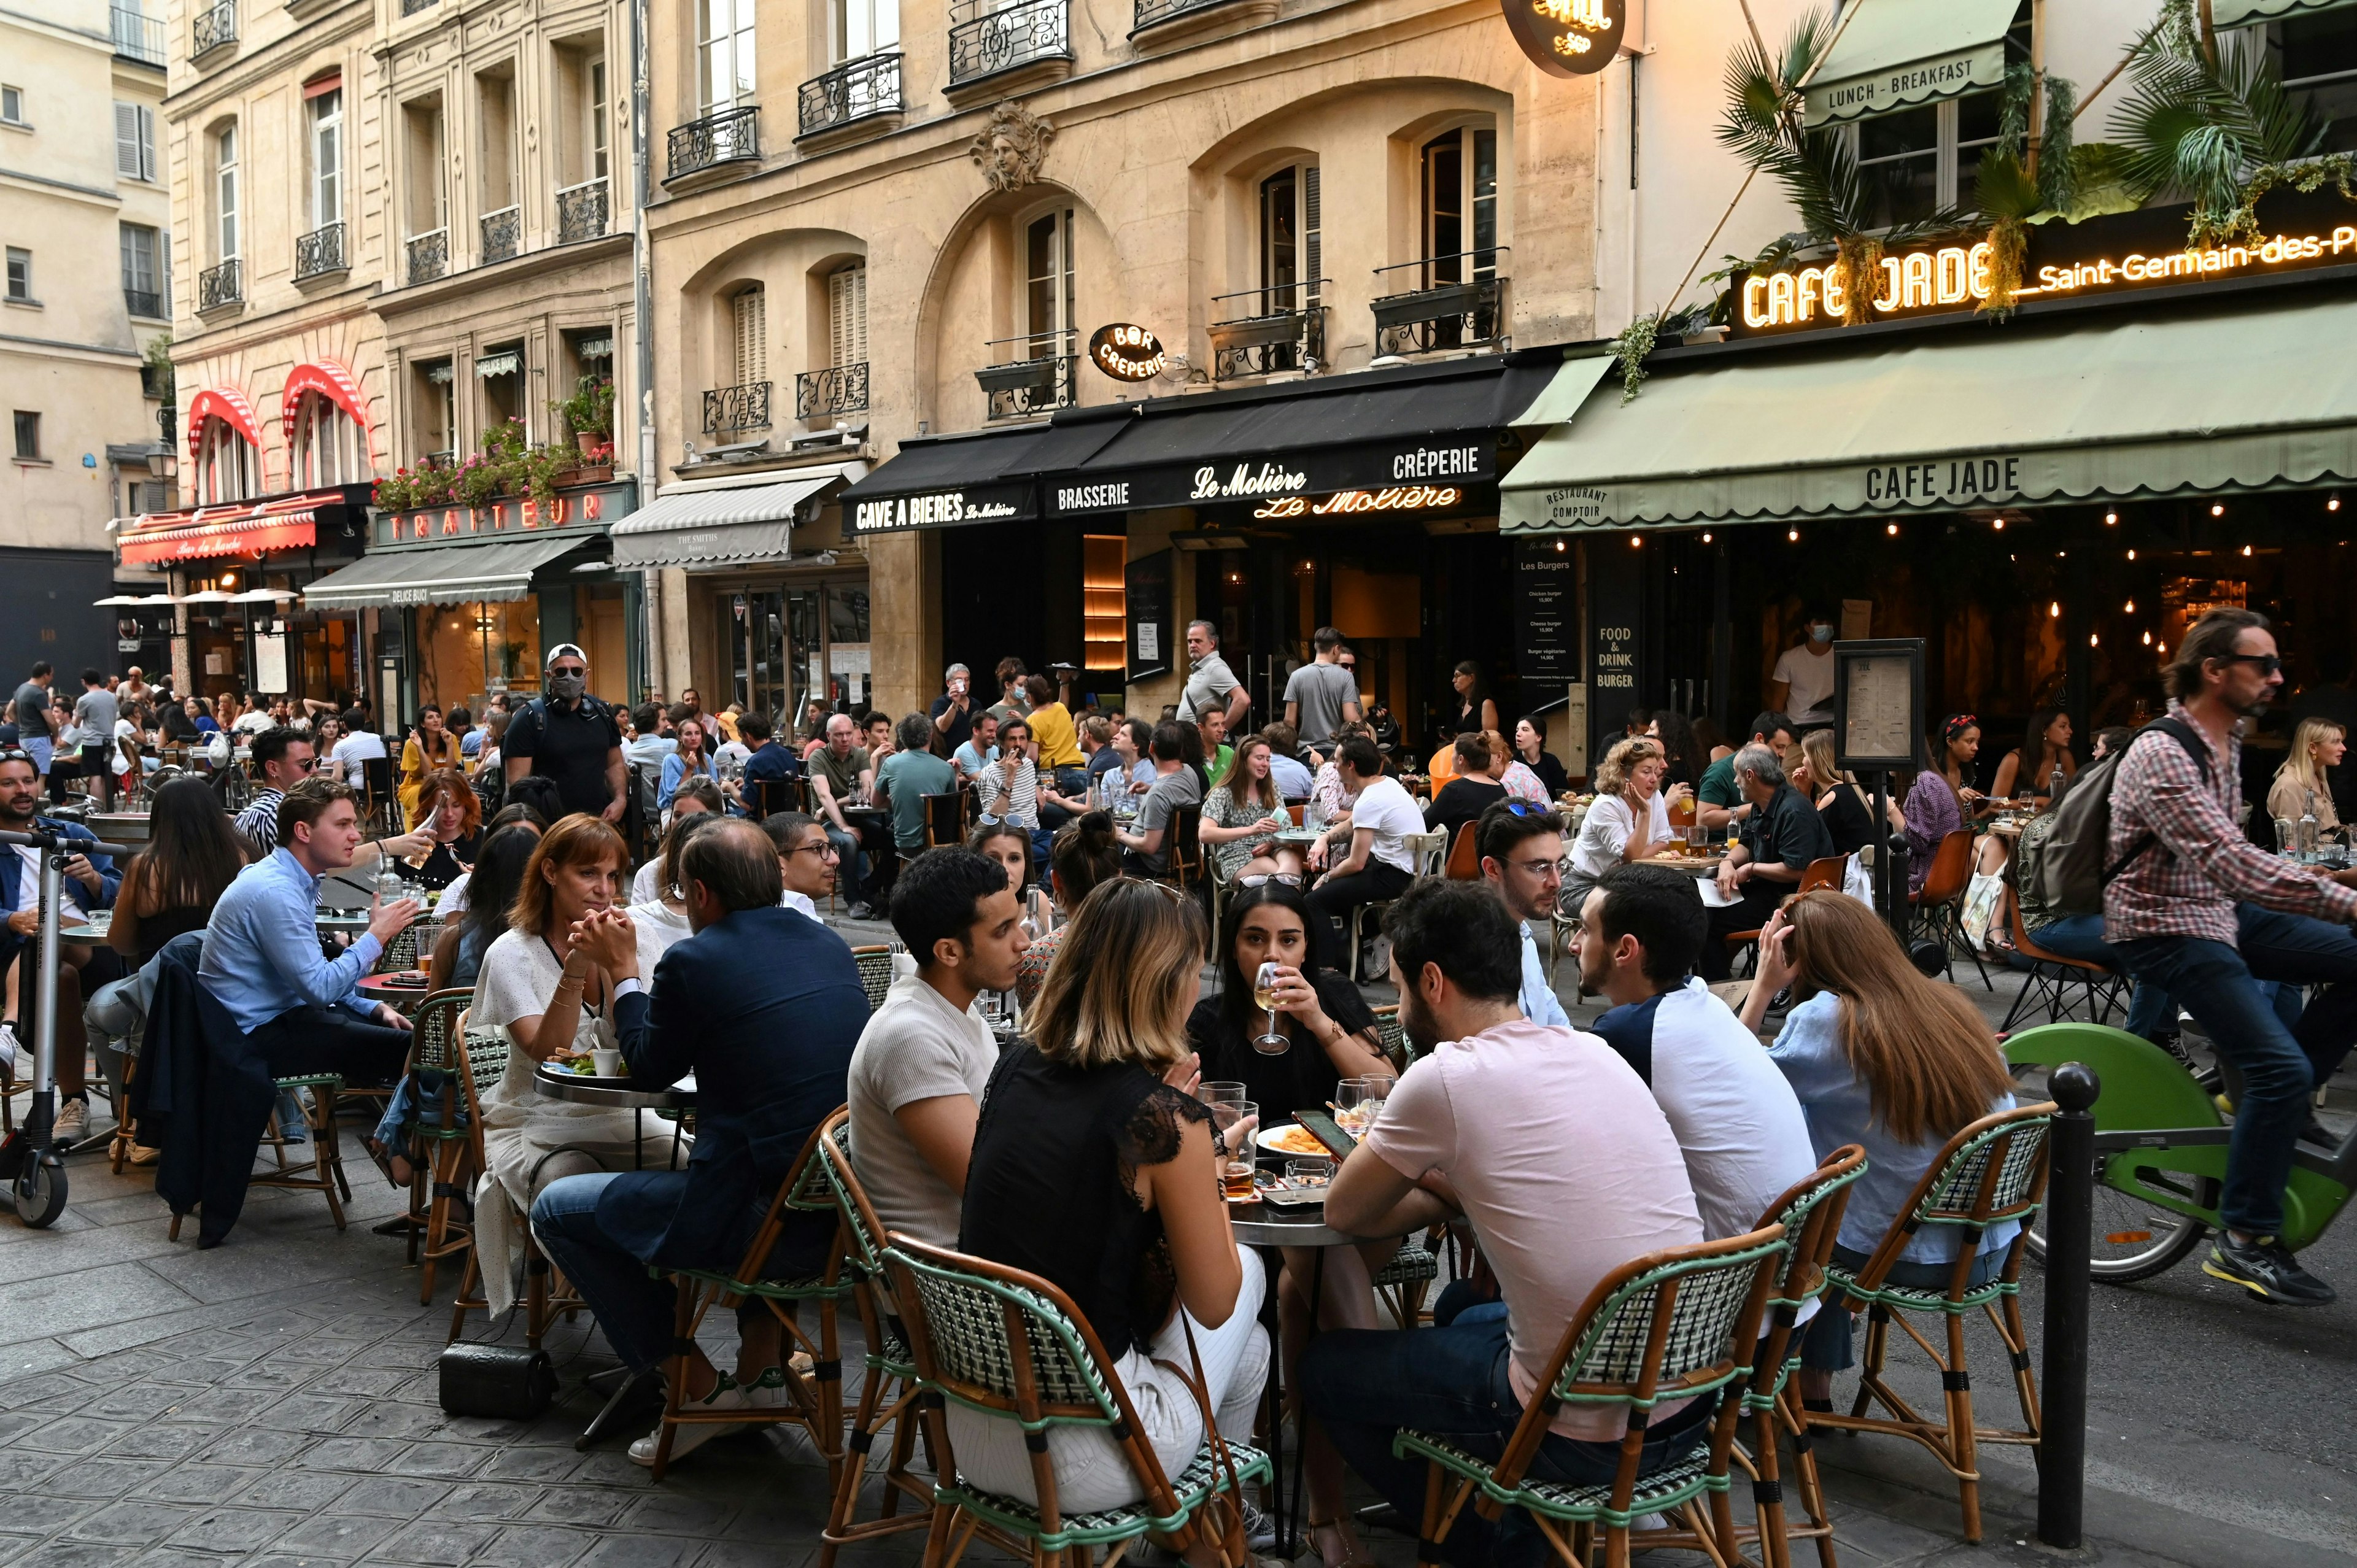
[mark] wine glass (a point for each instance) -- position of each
(1270, 1042)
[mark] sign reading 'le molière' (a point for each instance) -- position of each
(1317, 472)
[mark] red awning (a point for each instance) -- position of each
(229, 405)
(330, 380)
(243, 528)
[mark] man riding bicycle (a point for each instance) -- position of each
(2200, 911)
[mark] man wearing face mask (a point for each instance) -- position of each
(570, 737)
(1802, 686)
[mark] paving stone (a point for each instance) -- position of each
(337, 1535)
(531, 1464)
(80, 1554)
(368, 1453)
(256, 1446)
(265, 1375)
(98, 1477)
(440, 1543)
(303, 1489)
(140, 1401)
(392, 1498)
(594, 1507)
(479, 1500)
(441, 1458)
(46, 1514)
(385, 1418)
(199, 1484)
(372, 1381)
(138, 1524)
(232, 1529)
(159, 1442)
(77, 1434)
(634, 1550)
(533, 1546)
(14, 1548)
(669, 1511)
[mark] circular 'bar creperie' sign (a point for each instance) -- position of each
(1567, 37)
(1126, 352)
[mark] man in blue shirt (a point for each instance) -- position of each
(980, 748)
(769, 763)
(1293, 781)
(262, 962)
(1522, 859)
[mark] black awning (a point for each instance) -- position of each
(1423, 426)
(948, 481)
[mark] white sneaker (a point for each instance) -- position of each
(10, 1047)
(770, 1391)
(72, 1124)
(724, 1395)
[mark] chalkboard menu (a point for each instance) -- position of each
(1546, 612)
(1148, 581)
(1617, 679)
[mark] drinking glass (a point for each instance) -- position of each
(1697, 836)
(1270, 1042)
(1234, 1119)
(1358, 1101)
(1215, 1091)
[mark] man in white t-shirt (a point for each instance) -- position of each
(925, 1059)
(1550, 1147)
(358, 744)
(1377, 861)
(1802, 686)
(1737, 1122)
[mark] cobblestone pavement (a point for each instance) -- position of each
(271, 1401)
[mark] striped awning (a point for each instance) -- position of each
(1894, 54)
(706, 523)
(2244, 13)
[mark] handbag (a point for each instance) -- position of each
(1219, 1522)
(506, 1383)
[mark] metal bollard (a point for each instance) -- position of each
(2070, 1208)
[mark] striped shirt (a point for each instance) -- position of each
(259, 821)
(2199, 866)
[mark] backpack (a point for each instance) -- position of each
(2071, 872)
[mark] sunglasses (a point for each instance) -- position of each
(2268, 664)
(1281, 878)
(1162, 887)
(1526, 809)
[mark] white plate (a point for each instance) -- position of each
(1267, 1138)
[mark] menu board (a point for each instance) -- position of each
(1547, 614)
(1877, 702)
(1147, 584)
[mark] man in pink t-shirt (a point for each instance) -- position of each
(1551, 1146)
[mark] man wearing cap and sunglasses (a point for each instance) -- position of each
(571, 737)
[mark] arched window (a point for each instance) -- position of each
(227, 466)
(329, 446)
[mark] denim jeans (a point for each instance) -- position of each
(2150, 1008)
(1364, 1385)
(2279, 1067)
(1825, 1342)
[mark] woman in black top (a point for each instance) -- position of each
(1332, 1037)
(1471, 708)
(1093, 1167)
(1530, 748)
(457, 813)
(1687, 754)
(193, 854)
(1848, 819)
(1473, 792)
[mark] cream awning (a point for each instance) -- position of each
(2243, 12)
(719, 523)
(1896, 53)
(2243, 398)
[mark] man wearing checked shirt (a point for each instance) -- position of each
(2194, 908)
(263, 959)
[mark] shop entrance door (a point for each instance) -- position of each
(791, 647)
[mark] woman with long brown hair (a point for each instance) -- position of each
(192, 856)
(1882, 1056)
(1094, 1167)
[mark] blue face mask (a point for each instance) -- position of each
(1821, 631)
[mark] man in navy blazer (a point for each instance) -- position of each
(89, 885)
(764, 1005)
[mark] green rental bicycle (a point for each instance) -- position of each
(2160, 1153)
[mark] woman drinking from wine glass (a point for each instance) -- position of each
(1292, 1057)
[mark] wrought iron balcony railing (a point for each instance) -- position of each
(727, 135)
(852, 91)
(502, 234)
(143, 302)
(1280, 327)
(213, 26)
(1150, 13)
(730, 409)
(217, 287)
(838, 389)
(581, 212)
(320, 252)
(429, 255)
(984, 40)
(1446, 302)
(138, 36)
(1040, 381)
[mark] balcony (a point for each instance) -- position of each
(1041, 380)
(1154, 13)
(214, 27)
(1446, 302)
(837, 389)
(220, 286)
(138, 36)
(581, 212)
(1261, 331)
(854, 91)
(144, 302)
(502, 234)
(729, 410)
(428, 256)
(728, 135)
(320, 252)
(985, 41)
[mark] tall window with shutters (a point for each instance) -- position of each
(1291, 250)
(134, 142)
(227, 466)
(847, 314)
(749, 316)
(330, 447)
(143, 278)
(1048, 285)
(225, 194)
(1460, 205)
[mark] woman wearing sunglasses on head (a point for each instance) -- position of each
(1242, 815)
(1319, 1033)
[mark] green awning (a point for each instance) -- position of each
(1561, 398)
(2227, 398)
(1896, 53)
(2243, 12)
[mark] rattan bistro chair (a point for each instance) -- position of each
(1013, 1347)
(890, 1391)
(480, 1056)
(439, 1164)
(1670, 1326)
(1991, 1173)
(874, 962)
(816, 1402)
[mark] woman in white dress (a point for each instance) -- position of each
(1631, 818)
(551, 1003)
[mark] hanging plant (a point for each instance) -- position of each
(1636, 341)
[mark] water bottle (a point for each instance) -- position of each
(2055, 784)
(2308, 843)
(388, 880)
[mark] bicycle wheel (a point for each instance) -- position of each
(2131, 1239)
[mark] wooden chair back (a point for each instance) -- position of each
(1465, 855)
(771, 795)
(944, 819)
(1825, 872)
(1952, 870)
(1185, 848)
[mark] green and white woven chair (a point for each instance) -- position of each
(874, 963)
(479, 1058)
(816, 1404)
(1013, 1347)
(1670, 1326)
(1991, 1173)
(890, 1391)
(438, 1140)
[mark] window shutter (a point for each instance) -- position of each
(1312, 251)
(751, 308)
(848, 316)
(127, 140)
(146, 142)
(130, 263)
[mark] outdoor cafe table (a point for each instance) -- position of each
(399, 990)
(1302, 837)
(120, 827)
(91, 934)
